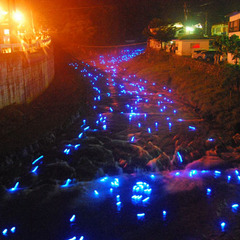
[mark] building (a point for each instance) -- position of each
(186, 46)
(234, 28)
(219, 29)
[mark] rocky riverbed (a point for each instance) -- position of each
(135, 130)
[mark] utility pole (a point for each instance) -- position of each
(185, 11)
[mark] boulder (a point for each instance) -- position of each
(59, 171)
(208, 163)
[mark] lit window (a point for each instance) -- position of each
(6, 31)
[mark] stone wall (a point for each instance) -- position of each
(24, 76)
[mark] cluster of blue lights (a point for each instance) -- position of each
(7, 232)
(142, 95)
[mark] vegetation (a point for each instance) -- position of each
(212, 90)
(225, 44)
(160, 30)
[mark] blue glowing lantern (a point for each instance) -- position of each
(4, 232)
(140, 216)
(14, 188)
(72, 219)
(235, 207)
(209, 191)
(13, 229)
(68, 181)
(223, 225)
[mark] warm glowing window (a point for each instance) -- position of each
(6, 31)
(195, 45)
(234, 26)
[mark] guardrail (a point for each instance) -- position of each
(24, 47)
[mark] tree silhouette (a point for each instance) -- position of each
(160, 30)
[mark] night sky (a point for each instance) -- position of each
(114, 21)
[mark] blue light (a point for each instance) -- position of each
(177, 173)
(180, 157)
(229, 178)
(14, 188)
(80, 135)
(210, 139)
(111, 190)
(35, 169)
(140, 215)
(237, 172)
(139, 125)
(4, 232)
(36, 160)
(118, 203)
(73, 238)
(132, 139)
(164, 213)
(217, 173)
(104, 127)
(209, 190)
(72, 219)
(149, 130)
(67, 183)
(111, 110)
(145, 199)
(223, 225)
(118, 198)
(81, 238)
(191, 128)
(235, 207)
(180, 120)
(13, 229)
(152, 176)
(104, 179)
(96, 192)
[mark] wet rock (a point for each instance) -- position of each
(231, 156)
(160, 163)
(125, 150)
(60, 171)
(152, 149)
(85, 169)
(3, 191)
(91, 140)
(98, 154)
(208, 163)
(114, 169)
(236, 139)
(28, 179)
(211, 152)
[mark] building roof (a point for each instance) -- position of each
(192, 36)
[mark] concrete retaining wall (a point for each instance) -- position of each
(24, 76)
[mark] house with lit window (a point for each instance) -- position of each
(219, 29)
(185, 46)
(233, 28)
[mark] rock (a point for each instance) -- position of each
(152, 149)
(236, 139)
(98, 154)
(85, 169)
(125, 150)
(208, 163)
(160, 163)
(60, 171)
